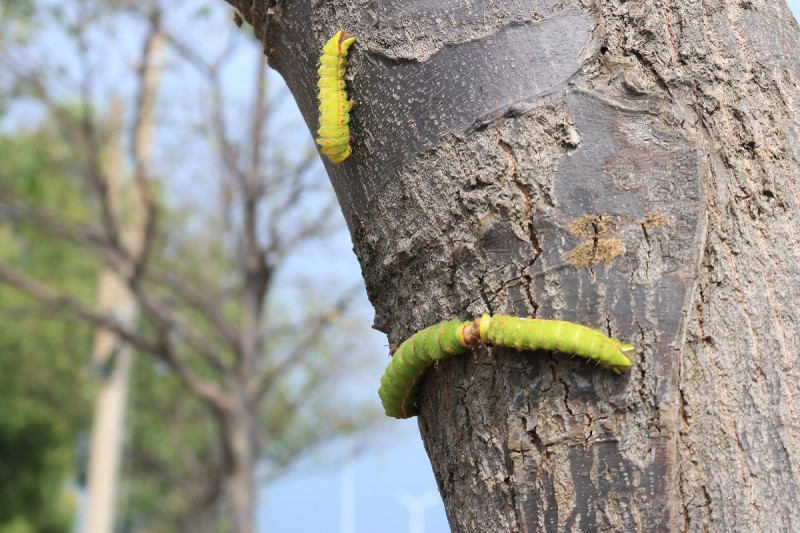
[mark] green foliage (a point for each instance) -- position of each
(43, 376)
(16, 9)
(32, 492)
(172, 452)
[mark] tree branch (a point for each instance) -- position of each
(82, 135)
(161, 349)
(65, 302)
(202, 302)
(259, 385)
(149, 74)
(51, 222)
(165, 318)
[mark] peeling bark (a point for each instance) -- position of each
(486, 134)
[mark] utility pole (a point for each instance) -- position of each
(417, 505)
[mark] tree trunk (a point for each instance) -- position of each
(241, 451)
(628, 165)
(112, 359)
(115, 296)
(105, 449)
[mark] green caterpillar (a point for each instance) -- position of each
(334, 107)
(401, 380)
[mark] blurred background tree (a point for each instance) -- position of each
(45, 385)
(241, 322)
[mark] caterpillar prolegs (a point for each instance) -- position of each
(401, 380)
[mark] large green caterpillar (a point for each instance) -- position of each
(401, 380)
(334, 107)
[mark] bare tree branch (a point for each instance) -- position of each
(260, 114)
(51, 222)
(65, 302)
(282, 246)
(61, 227)
(82, 135)
(143, 131)
(161, 348)
(313, 328)
(257, 272)
(279, 245)
(89, 141)
(203, 302)
(210, 70)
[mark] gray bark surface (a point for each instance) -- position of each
(629, 165)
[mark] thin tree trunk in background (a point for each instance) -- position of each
(241, 488)
(629, 165)
(240, 418)
(112, 359)
(111, 355)
(107, 431)
(107, 435)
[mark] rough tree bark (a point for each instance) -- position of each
(629, 165)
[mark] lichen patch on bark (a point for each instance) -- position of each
(589, 253)
(596, 248)
(591, 226)
(652, 220)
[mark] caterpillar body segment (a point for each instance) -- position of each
(559, 336)
(401, 380)
(334, 106)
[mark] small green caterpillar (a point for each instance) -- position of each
(401, 380)
(334, 107)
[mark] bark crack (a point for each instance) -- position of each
(511, 486)
(528, 221)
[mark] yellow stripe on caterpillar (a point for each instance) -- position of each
(334, 106)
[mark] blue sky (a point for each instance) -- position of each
(373, 486)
